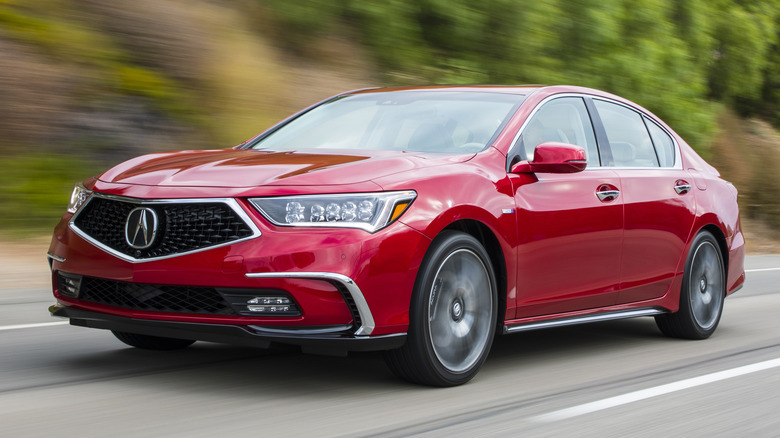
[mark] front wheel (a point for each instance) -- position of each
(452, 317)
(702, 294)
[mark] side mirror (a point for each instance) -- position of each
(554, 157)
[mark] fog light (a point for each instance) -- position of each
(271, 304)
(261, 302)
(69, 285)
(269, 300)
(268, 309)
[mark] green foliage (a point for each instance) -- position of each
(391, 30)
(164, 92)
(743, 39)
(683, 60)
(35, 187)
(300, 21)
(671, 56)
(63, 39)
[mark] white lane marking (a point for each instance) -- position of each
(643, 394)
(24, 326)
(763, 269)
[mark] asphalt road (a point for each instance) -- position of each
(617, 378)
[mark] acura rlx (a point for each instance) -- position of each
(417, 221)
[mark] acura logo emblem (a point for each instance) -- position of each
(141, 228)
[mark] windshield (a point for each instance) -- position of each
(419, 121)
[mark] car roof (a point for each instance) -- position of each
(506, 89)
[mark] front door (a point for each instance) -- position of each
(570, 226)
(570, 242)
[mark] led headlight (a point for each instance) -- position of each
(367, 211)
(78, 197)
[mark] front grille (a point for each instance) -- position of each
(170, 298)
(182, 227)
(154, 298)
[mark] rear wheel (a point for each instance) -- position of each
(452, 315)
(147, 342)
(702, 294)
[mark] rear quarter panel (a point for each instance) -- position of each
(717, 206)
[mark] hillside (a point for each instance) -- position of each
(85, 84)
(88, 84)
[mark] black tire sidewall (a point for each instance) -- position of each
(419, 332)
(685, 304)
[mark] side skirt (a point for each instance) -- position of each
(583, 319)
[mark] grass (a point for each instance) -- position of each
(34, 191)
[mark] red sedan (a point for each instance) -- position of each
(419, 221)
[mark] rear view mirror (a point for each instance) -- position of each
(554, 157)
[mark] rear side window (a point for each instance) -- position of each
(664, 146)
(628, 137)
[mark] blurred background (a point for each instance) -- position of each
(85, 84)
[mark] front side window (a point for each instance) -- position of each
(418, 121)
(563, 120)
(629, 140)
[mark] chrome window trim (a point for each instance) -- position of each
(352, 288)
(677, 151)
(634, 168)
(230, 202)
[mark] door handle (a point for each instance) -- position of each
(682, 187)
(607, 195)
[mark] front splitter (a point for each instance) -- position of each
(253, 336)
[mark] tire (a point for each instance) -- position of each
(147, 342)
(452, 315)
(702, 294)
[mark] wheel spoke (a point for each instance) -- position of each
(705, 285)
(441, 333)
(460, 310)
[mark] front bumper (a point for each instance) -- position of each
(320, 269)
(317, 341)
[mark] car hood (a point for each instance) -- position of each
(252, 168)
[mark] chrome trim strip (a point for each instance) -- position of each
(360, 300)
(608, 316)
(230, 202)
(55, 257)
(291, 330)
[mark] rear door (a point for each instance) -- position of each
(658, 202)
(570, 237)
